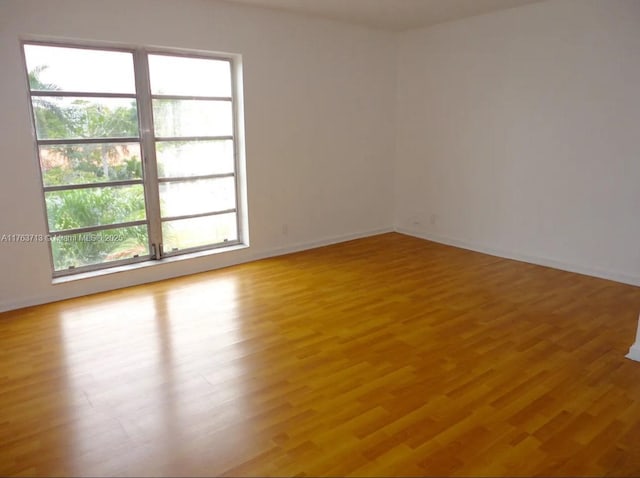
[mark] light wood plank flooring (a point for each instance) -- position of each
(383, 356)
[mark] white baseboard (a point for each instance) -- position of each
(634, 352)
(252, 255)
(303, 246)
(247, 255)
(541, 261)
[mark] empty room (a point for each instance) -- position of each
(320, 238)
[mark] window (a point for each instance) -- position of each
(137, 152)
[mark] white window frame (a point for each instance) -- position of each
(147, 141)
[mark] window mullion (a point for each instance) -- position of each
(147, 140)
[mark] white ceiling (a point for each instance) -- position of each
(394, 15)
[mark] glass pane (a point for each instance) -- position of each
(94, 207)
(75, 118)
(79, 69)
(194, 158)
(197, 197)
(176, 75)
(89, 163)
(200, 231)
(76, 250)
(174, 118)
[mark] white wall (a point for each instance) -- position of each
(318, 115)
(519, 134)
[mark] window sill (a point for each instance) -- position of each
(145, 264)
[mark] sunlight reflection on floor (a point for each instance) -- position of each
(184, 357)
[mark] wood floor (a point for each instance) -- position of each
(382, 356)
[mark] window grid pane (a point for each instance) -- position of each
(75, 117)
(101, 162)
(57, 68)
(194, 158)
(99, 247)
(80, 208)
(201, 231)
(175, 75)
(177, 118)
(196, 197)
